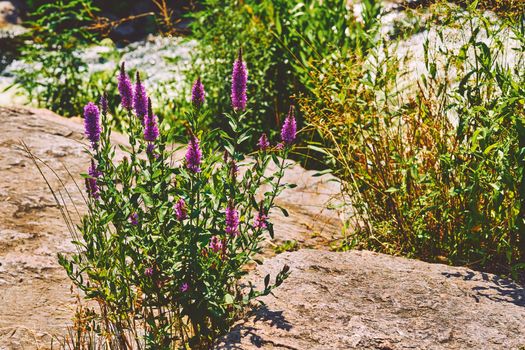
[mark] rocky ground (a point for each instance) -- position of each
(365, 300)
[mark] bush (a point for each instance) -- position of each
(164, 245)
(438, 175)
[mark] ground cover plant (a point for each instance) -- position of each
(435, 172)
(164, 243)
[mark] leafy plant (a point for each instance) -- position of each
(281, 39)
(164, 244)
(54, 74)
(435, 173)
(287, 246)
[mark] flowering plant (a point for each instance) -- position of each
(164, 243)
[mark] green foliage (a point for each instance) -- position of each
(436, 171)
(55, 76)
(281, 39)
(138, 272)
(286, 246)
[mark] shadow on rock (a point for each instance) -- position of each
(243, 331)
(493, 287)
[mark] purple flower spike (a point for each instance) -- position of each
(260, 220)
(193, 155)
(134, 219)
(232, 221)
(197, 93)
(91, 182)
(180, 210)
(239, 79)
(104, 103)
(151, 127)
(263, 142)
(289, 129)
(124, 87)
(92, 123)
(215, 244)
(184, 287)
(148, 272)
(140, 99)
(150, 149)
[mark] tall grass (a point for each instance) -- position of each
(435, 171)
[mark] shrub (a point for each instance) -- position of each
(164, 245)
(436, 173)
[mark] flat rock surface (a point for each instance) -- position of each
(35, 298)
(365, 300)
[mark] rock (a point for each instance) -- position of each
(9, 13)
(365, 300)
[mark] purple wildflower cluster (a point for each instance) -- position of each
(239, 80)
(125, 89)
(263, 142)
(134, 219)
(151, 128)
(197, 93)
(134, 98)
(216, 244)
(104, 103)
(140, 99)
(148, 272)
(232, 220)
(180, 210)
(92, 123)
(91, 182)
(261, 220)
(289, 129)
(193, 155)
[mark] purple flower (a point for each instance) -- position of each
(232, 220)
(180, 210)
(134, 219)
(92, 123)
(239, 79)
(193, 155)
(215, 244)
(184, 287)
(263, 142)
(150, 149)
(279, 146)
(151, 127)
(260, 220)
(197, 93)
(104, 103)
(91, 182)
(124, 87)
(289, 129)
(148, 272)
(140, 99)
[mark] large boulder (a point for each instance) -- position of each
(365, 300)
